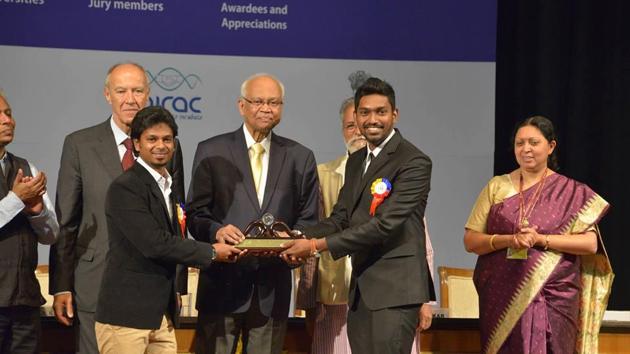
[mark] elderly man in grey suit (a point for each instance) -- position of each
(91, 159)
(238, 177)
(378, 220)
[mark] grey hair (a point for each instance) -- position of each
(255, 76)
(344, 105)
(113, 67)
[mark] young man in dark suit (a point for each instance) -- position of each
(378, 220)
(137, 302)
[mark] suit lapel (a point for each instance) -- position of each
(356, 178)
(375, 166)
(240, 158)
(155, 192)
(107, 151)
(277, 155)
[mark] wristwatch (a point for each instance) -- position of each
(214, 254)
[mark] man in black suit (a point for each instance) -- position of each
(137, 302)
(378, 220)
(90, 160)
(238, 177)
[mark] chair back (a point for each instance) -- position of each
(458, 293)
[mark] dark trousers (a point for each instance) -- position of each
(219, 333)
(385, 331)
(20, 329)
(86, 341)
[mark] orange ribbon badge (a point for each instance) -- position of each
(380, 190)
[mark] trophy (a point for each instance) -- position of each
(263, 235)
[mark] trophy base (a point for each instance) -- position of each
(262, 244)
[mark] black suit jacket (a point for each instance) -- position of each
(89, 163)
(388, 249)
(222, 192)
(145, 246)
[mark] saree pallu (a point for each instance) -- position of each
(533, 305)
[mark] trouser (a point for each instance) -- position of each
(20, 329)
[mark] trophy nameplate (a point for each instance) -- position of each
(263, 235)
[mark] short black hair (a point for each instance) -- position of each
(149, 117)
(375, 86)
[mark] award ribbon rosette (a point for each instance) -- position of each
(181, 218)
(381, 187)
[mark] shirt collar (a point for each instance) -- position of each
(377, 150)
(119, 135)
(155, 174)
(249, 140)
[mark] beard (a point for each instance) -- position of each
(355, 143)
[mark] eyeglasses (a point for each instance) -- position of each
(7, 112)
(258, 102)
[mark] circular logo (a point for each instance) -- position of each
(267, 219)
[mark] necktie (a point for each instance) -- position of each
(4, 175)
(128, 160)
(6, 172)
(366, 163)
(255, 159)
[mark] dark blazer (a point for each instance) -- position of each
(222, 192)
(388, 249)
(145, 245)
(89, 163)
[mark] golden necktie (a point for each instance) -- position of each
(255, 159)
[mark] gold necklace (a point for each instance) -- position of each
(525, 209)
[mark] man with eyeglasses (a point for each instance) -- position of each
(237, 177)
(26, 218)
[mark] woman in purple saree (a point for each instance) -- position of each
(530, 229)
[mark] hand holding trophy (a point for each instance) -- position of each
(265, 237)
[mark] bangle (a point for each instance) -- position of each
(313, 247)
(546, 242)
(492, 242)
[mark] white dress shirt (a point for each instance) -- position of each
(163, 182)
(119, 137)
(377, 150)
(45, 224)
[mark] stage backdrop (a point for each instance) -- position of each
(438, 55)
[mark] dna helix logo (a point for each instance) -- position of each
(182, 105)
(170, 79)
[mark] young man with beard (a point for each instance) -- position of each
(378, 220)
(137, 306)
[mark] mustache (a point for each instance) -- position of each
(355, 139)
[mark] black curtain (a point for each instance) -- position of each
(570, 61)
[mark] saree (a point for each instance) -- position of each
(540, 304)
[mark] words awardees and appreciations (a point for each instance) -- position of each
(268, 22)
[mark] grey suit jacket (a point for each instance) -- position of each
(222, 192)
(89, 163)
(388, 249)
